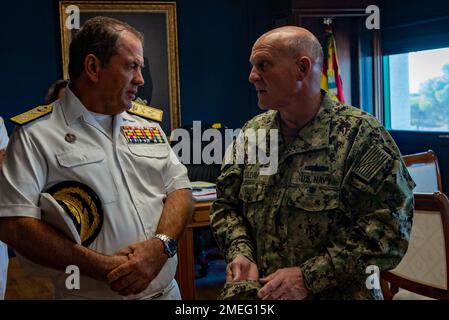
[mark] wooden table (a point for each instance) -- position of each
(185, 274)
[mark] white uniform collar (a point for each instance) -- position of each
(127, 117)
(72, 107)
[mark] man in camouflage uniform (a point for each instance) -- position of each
(340, 200)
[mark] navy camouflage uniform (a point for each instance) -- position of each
(341, 200)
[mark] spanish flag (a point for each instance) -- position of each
(330, 74)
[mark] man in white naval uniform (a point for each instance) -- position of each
(3, 248)
(144, 190)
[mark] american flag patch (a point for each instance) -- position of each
(149, 135)
(371, 163)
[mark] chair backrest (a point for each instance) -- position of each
(424, 268)
(425, 171)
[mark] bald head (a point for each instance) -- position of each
(286, 70)
(296, 41)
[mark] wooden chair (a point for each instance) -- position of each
(424, 269)
(425, 171)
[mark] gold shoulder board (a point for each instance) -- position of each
(31, 115)
(146, 112)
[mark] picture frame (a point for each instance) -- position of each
(157, 21)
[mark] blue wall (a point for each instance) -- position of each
(419, 25)
(215, 39)
(30, 55)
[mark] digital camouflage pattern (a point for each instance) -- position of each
(241, 290)
(341, 200)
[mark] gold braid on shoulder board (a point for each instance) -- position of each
(146, 112)
(31, 115)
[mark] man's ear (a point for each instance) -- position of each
(304, 67)
(92, 67)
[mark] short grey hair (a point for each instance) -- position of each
(308, 45)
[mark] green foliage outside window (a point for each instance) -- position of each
(430, 108)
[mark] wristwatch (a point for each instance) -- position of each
(170, 245)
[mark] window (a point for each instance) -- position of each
(417, 90)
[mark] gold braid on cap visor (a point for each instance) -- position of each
(83, 207)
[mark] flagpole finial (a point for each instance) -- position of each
(327, 21)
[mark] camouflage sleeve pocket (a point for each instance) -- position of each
(373, 168)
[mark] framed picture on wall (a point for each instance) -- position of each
(157, 22)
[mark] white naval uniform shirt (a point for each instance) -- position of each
(130, 179)
(3, 248)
